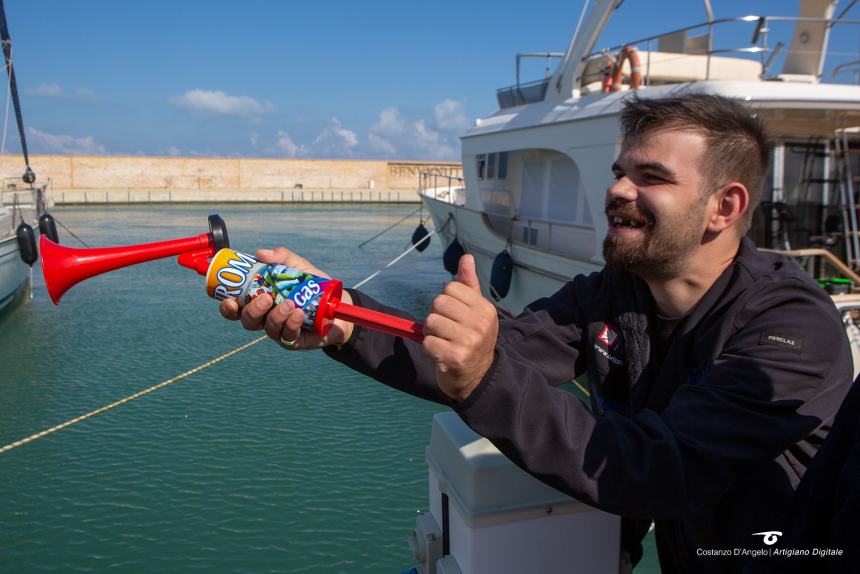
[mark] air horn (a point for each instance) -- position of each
(229, 275)
(64, 267)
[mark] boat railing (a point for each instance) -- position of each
(529, 92)
(847, 68)
(753, 38)
(679, 41)
(16, 194)
(442, 186)
(806, 259)
(556, 237)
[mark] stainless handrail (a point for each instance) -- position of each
(684, 29)
(424, 178)
(760, 35)
(547, 55)
(828, 256)
(750, 18)
(838, 69)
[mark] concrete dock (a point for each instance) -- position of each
(130, 179)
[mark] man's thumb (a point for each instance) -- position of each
(467, 274)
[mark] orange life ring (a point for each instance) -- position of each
(630, 54)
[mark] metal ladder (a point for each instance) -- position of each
(847, 184)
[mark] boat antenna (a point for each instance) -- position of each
(29, 177)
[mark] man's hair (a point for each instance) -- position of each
(737, 147)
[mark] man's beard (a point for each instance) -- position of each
(663, 247)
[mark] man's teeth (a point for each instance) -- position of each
(619, 222)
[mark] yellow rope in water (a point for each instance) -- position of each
(162, 384)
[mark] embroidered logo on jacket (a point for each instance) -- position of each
(790, 342)
(608, 336)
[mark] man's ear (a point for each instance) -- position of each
(729, 203)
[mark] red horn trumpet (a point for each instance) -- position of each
(229, 274)
(65, 267)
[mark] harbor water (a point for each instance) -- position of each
(270, 461)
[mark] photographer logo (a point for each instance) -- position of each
(770, 536)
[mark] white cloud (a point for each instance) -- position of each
(392, 136)
(451, 116)
(85, 94)
(390, 123)
(64, 144)
(47, 90)
(433, 143)
(174, 151)
(55, 91)
(254, 138)
(220, 103)
(379, 144)
(334, 141)
(286, 146)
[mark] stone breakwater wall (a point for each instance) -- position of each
(138, 179)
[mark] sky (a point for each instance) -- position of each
(264, 78)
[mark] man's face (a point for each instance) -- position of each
(656, 207)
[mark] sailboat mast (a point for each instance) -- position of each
(29, 177)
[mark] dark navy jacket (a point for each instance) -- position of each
(823, 520)
(710, 443)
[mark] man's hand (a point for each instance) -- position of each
(460, 333)
(284, 322)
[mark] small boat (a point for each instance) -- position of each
(22, 204)
(19, 222)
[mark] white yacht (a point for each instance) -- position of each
(535, 171)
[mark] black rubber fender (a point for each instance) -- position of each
(500, 276)
(27, 243)
(48, 227)
(420, 238)
(452, 255)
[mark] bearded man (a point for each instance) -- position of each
(715, 369)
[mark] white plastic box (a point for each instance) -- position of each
(500, 519)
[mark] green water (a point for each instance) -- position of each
(267, 462)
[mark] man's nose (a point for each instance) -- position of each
(622, 189)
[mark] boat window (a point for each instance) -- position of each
(552, 190)
(491, 166)
(503, 165)
(537, 199)
(481, 164)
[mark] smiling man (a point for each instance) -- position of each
(714, 369)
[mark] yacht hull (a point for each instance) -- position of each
(14, 272)
(536, 273)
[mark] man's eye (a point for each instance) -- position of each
(653, 178)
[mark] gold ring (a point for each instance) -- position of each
(289, 344)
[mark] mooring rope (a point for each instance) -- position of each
(177, 378)
(389, 228)
(70, 232)
(395, 260)
(113, 405)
